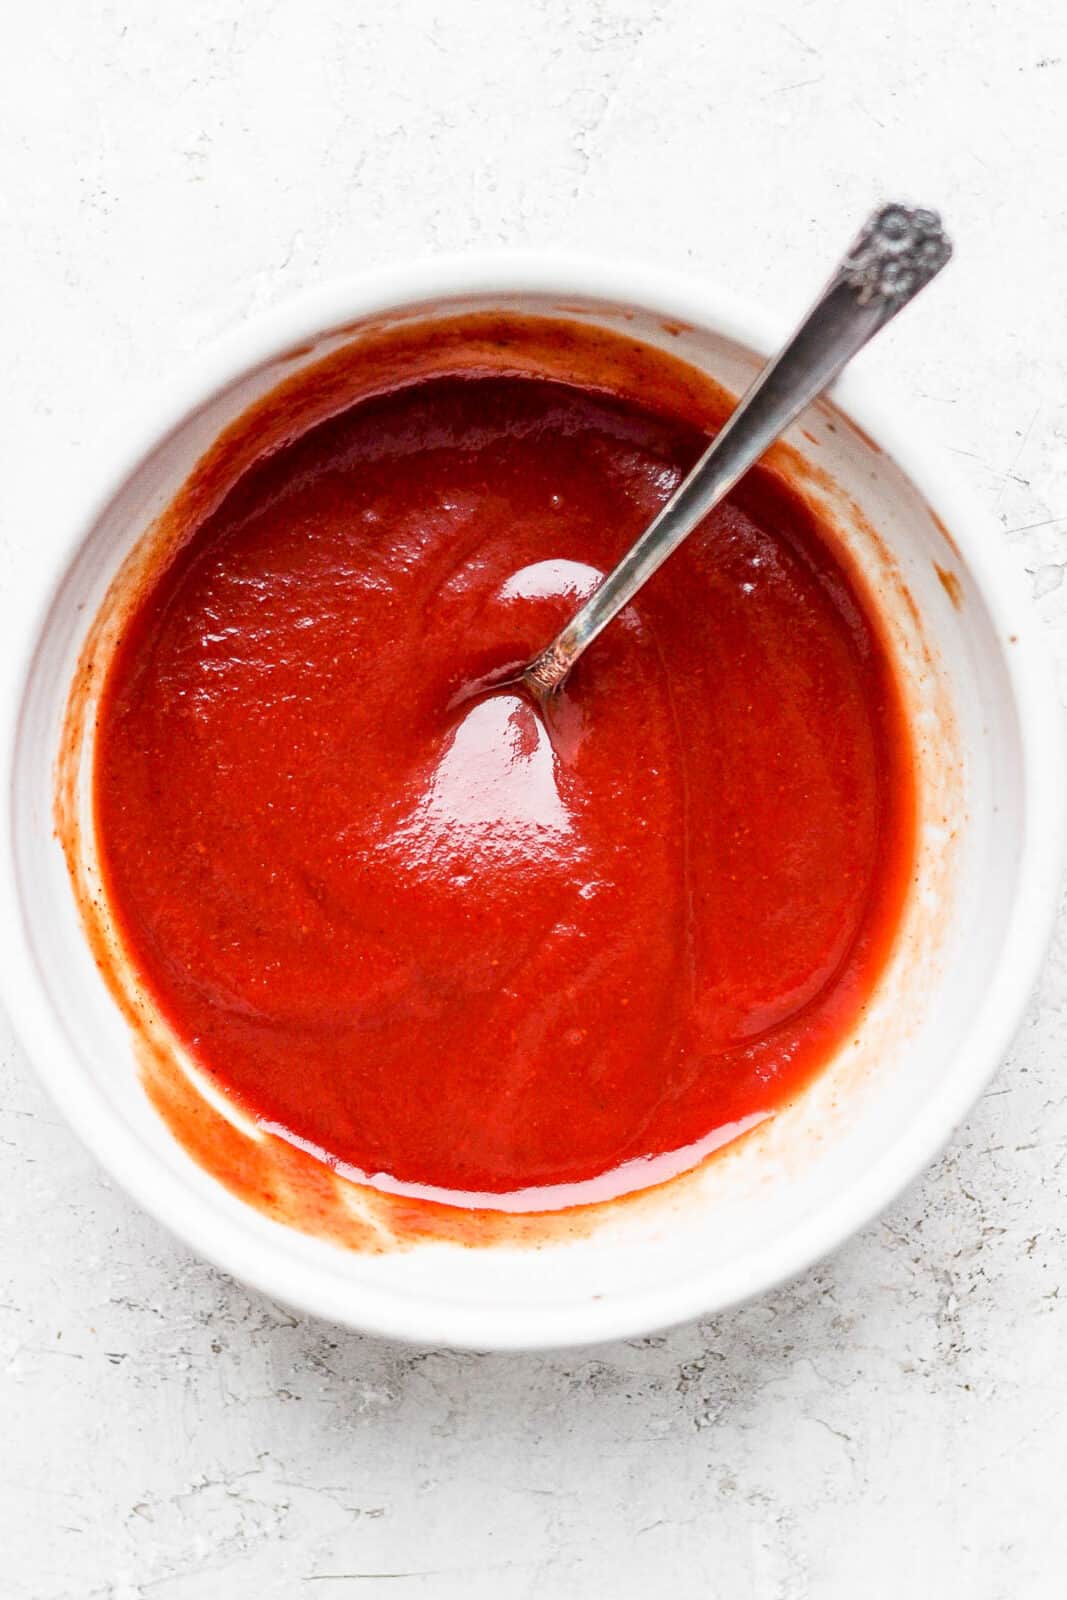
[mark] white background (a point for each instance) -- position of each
(895, 1422)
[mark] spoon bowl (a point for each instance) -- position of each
(981, 701)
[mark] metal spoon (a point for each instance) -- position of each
(896, 253)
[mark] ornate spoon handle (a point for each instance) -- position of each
(895, 255)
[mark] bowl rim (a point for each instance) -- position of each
(316, 1288)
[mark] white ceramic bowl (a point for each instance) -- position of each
(987, 731)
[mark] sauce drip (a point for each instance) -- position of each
(420, 930)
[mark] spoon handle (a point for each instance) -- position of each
(895, 255)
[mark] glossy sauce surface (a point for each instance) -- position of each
(421, 932)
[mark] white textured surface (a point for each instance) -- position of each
(893, 1423)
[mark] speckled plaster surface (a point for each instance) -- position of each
(894, 1422)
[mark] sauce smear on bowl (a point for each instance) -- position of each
(413, 927)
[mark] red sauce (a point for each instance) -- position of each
(417, 929)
